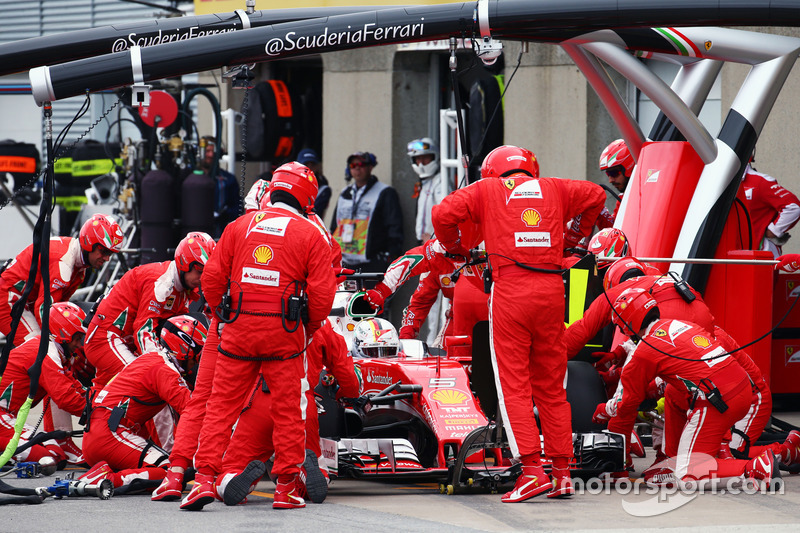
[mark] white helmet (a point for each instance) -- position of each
(252, 202)
(422, 147)
(375, 337)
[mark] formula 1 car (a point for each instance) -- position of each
(421, 417)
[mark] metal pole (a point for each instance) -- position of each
(698, 261)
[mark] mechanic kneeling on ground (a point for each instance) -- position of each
(113, 441)
(55, 381)
(707, 391)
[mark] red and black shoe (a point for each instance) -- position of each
(792, 445)
(242, 483)
(312, 481)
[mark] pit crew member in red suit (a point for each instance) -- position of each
(55, 381)
(127, 317)
(617, 163)
(699, 374)
(630, 273)
(263, 258)
(627, 273)
(112, 441)
(435, 268)
(522, 219)
(100, 236)
(773, 210)
(251, 444)
(188, 429)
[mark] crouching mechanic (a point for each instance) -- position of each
(125, 321)
(522, 219)
(112, 441)
(680, 301)
(252, 441)
(66, 334)
(269, 261)
(707, 390)
(100, 236)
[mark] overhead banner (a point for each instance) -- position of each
(207, 7)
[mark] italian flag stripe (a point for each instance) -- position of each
(681, 43)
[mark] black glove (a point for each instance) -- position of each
(361, 403)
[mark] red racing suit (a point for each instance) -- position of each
(760, 412)
(262, 258)
(188, 428)
(255, 433)
(54, 381)
(435, 268)
(771, 208)
(121, 410)
(670, 304)
(126, 319)
(66, 275)
(523, 219)
(690, 421)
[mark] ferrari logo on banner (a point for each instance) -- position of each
(792, 290)
(791, 355)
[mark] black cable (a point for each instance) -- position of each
(749, 222)
(500, 101)
(244, 109)
(706, 359)
(528, 267)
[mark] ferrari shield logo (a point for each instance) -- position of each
(509, 183)
(259, 217)
(708, 45)
(660, 333)
(792, 290)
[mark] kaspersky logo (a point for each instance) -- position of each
(531, 218)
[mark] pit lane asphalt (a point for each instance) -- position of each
(364, 506)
